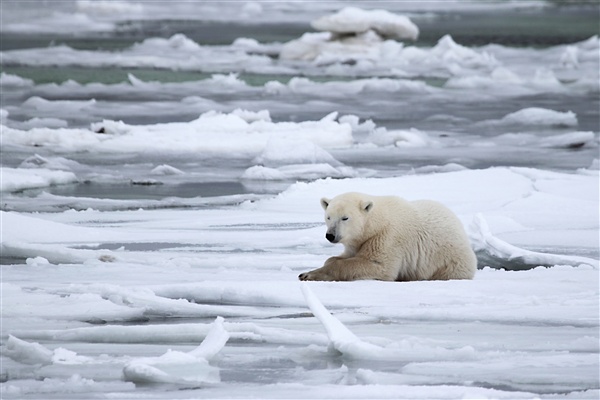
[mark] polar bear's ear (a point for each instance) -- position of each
(366, 206)
(325, 203)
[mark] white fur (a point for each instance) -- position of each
(389, 238)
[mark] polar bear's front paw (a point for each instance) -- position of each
(304, 276)
(315, 275)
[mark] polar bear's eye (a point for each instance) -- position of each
(328, 218)
(344, 218)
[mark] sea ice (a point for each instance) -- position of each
(541, 116)
(352, 20)
(16, 179)
(108, 290)
(189, 368)
(238, 133)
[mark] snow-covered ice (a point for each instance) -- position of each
(212, 133)
(160, 195)
(145, 266)
(352, 20)
(15, 179)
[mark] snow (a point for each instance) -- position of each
(355, 20)
(153, 228)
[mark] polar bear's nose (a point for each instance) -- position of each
(330, 237)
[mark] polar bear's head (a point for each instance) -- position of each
(345, 216)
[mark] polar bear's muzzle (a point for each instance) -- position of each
(332, 236)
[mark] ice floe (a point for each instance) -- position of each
(213, 133)
(16, 179)
(352, 20)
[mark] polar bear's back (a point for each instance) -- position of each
(446, 250)
(429, 239)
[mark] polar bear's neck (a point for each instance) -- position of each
(349, 251)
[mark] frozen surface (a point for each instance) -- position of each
(352, 20)
(212, 134)
(162, 165)
(15, 179)
(144, 268)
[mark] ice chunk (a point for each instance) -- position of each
(37, 261)
(347, 343)
(214, 341)
(340, 337)
(27, 353)
(191, 368)
(571, 140)
(401, 138)
(298, 172)
(435, 169)
(15, 179)
(570, 57)
(280, 151)
(60, 22)
(108, 8)
(259, 172)
(352, 20)
(14, 80)
(593, 169)
(60, 163)
(178, 42)
(541, 116)
(251, 9)
(166, 170)
(38, 103)
(484, 240)
(252, 116)
(64, 388)
(212, 133)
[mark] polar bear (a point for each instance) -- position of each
(391, 239)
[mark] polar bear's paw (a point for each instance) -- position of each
(315, 275)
